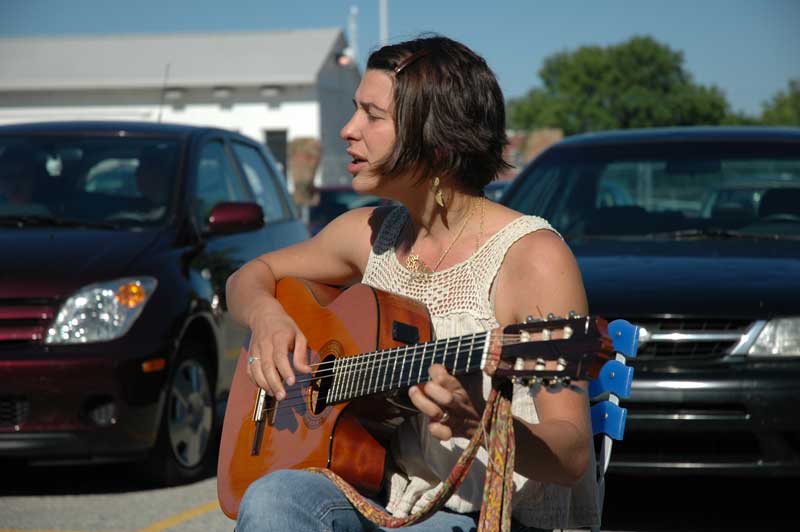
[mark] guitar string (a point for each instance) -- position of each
(505, 339)
(493, 335)
(369, 359)
(366, 359)
(303, 393)
(291, 400)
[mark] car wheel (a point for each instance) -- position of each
(185, 448)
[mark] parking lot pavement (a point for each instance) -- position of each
(105, 499)
(190, 508)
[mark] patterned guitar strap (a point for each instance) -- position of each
(495, 515)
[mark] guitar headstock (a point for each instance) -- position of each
(557, 350)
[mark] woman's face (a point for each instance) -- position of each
(370, 132)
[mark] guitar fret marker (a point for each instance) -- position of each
(485, 354)
(402, 365)
(370, 385)
(469, 351)
(421, 363)
(455, 360)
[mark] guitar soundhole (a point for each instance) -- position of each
(320, 385)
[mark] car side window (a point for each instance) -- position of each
(217, 181)
(262, 181)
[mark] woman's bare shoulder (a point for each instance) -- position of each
(360, 221)
(539, 253)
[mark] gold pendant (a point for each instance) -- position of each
(416, 266)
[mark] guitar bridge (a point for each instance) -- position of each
(259, 418)
(258, 411)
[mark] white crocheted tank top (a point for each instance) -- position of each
(460, 301)
(458, 298)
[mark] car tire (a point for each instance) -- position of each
(186, 446)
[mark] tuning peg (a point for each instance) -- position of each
(530, 381)
(551, 317)
(573, 315)
(567, 332)
(531, 319)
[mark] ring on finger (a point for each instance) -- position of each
(252, 359)
(445, 416)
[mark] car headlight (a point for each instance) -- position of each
(101, 311)
(780, 336)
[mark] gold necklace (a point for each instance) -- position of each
(480, 232)
(417, 266)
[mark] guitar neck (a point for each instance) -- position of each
(389, 369)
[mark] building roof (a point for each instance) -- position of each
(292, 57)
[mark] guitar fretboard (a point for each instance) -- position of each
(389, 369)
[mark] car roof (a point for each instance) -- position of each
(110, 127)
(684, 134)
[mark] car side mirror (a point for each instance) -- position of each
(235, 217)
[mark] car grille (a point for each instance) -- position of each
(13, 410)
(675, 447)
(682, 337)
(25, 320)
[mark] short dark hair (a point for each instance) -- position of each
(449, 112)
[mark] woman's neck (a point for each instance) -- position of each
(430, 221)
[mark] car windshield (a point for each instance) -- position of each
(87, 181)
(667, 190)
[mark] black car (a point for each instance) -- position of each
(495, 190)
(693, 234)
(334, 200)
(116, 242)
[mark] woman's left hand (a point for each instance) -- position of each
(448, 405)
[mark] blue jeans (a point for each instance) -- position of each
(301, 501)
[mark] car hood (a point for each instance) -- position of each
(747, 278)
(53, 262)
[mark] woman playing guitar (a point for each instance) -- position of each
(428, 131)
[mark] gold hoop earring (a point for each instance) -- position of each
(438, 196)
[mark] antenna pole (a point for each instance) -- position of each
(352, 24)
(383, 14)
(163, 91)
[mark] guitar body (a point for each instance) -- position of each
(300, 432)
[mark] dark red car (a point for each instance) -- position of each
(116, 241)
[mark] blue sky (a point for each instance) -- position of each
(748, 48)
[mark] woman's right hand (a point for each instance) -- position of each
(274, 335)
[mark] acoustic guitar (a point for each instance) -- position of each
(367, 347)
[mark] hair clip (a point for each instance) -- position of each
(410, 59)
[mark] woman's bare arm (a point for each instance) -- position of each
(540, 276)
(336, 255)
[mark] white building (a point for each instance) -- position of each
(272, 86)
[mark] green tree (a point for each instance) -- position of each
(638, 83)
(784, 108)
